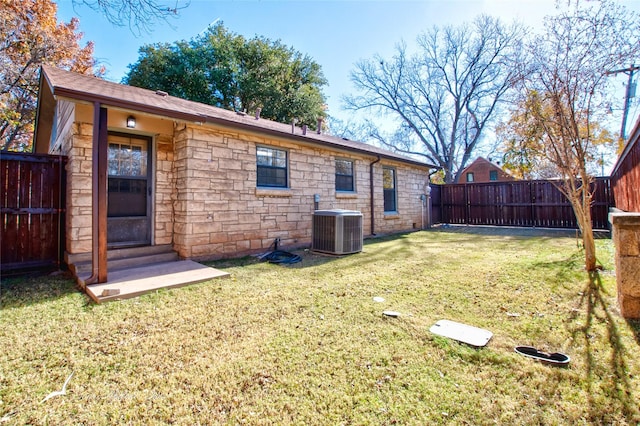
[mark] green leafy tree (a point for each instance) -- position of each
(29, 37)
(228, 71)
(445, 96)
(564, 96)
(524, 146)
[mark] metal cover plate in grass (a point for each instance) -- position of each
(462, 332)
(555, 358)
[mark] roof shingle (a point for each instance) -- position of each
(81, 87)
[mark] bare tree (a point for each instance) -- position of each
(564, 86)
(139, 15)
(444, 97)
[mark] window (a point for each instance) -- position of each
(272, 167)
(389, 188)
(470, 177)
(127, 157)
(127, 168)
(493, 175)
(344, 175)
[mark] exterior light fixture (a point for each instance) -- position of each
(131, 122)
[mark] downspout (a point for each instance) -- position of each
(372, 192)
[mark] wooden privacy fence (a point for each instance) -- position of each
(626, 174)
(536, 203)
(32, 210)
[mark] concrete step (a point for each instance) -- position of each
(85, 267)
(123, 258)
(120, 253)
(127, 283)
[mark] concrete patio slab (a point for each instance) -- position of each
(128, 283)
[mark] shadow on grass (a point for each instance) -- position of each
(465, 234)
(515, 231)
(635, 326)
(620, 389)
(311, 259)
(33, 289)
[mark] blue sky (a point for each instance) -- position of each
(336, 34)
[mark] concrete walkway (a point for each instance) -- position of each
(132, 282)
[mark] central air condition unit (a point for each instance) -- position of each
(337, 231)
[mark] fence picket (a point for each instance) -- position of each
(537, 203)
(31, 210)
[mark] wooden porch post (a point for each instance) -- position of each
(99, 197)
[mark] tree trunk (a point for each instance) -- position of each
(581, 202)
(589, 245)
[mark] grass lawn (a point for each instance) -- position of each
(307, 344)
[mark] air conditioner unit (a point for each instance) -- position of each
(337, 231)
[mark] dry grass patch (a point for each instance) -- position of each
(306, 344)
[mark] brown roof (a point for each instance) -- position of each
(55, 82)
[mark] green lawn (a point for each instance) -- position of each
(306, 344)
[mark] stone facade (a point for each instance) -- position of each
(205, 199)
(626, 237)
(75, 142)
(219, 211)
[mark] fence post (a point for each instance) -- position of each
(428, 201)
(466, 204)
(532, 200)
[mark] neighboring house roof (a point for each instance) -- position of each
(57, 83)
(483, 166)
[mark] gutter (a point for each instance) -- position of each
(198, 117)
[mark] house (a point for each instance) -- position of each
(483, 170)
(148, 169)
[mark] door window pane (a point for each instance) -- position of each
(127, 157)
(127, 167)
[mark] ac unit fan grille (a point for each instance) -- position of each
(324, 231)
(351, 234)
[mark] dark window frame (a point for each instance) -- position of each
(493, 175)
(389, 192)
(470, 177)
(345, 182)
(269, 173)
(122, 181)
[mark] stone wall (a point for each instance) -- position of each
(75, 141)
(219, 211)
(626, 237)
(165, 192)
(206, 202)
